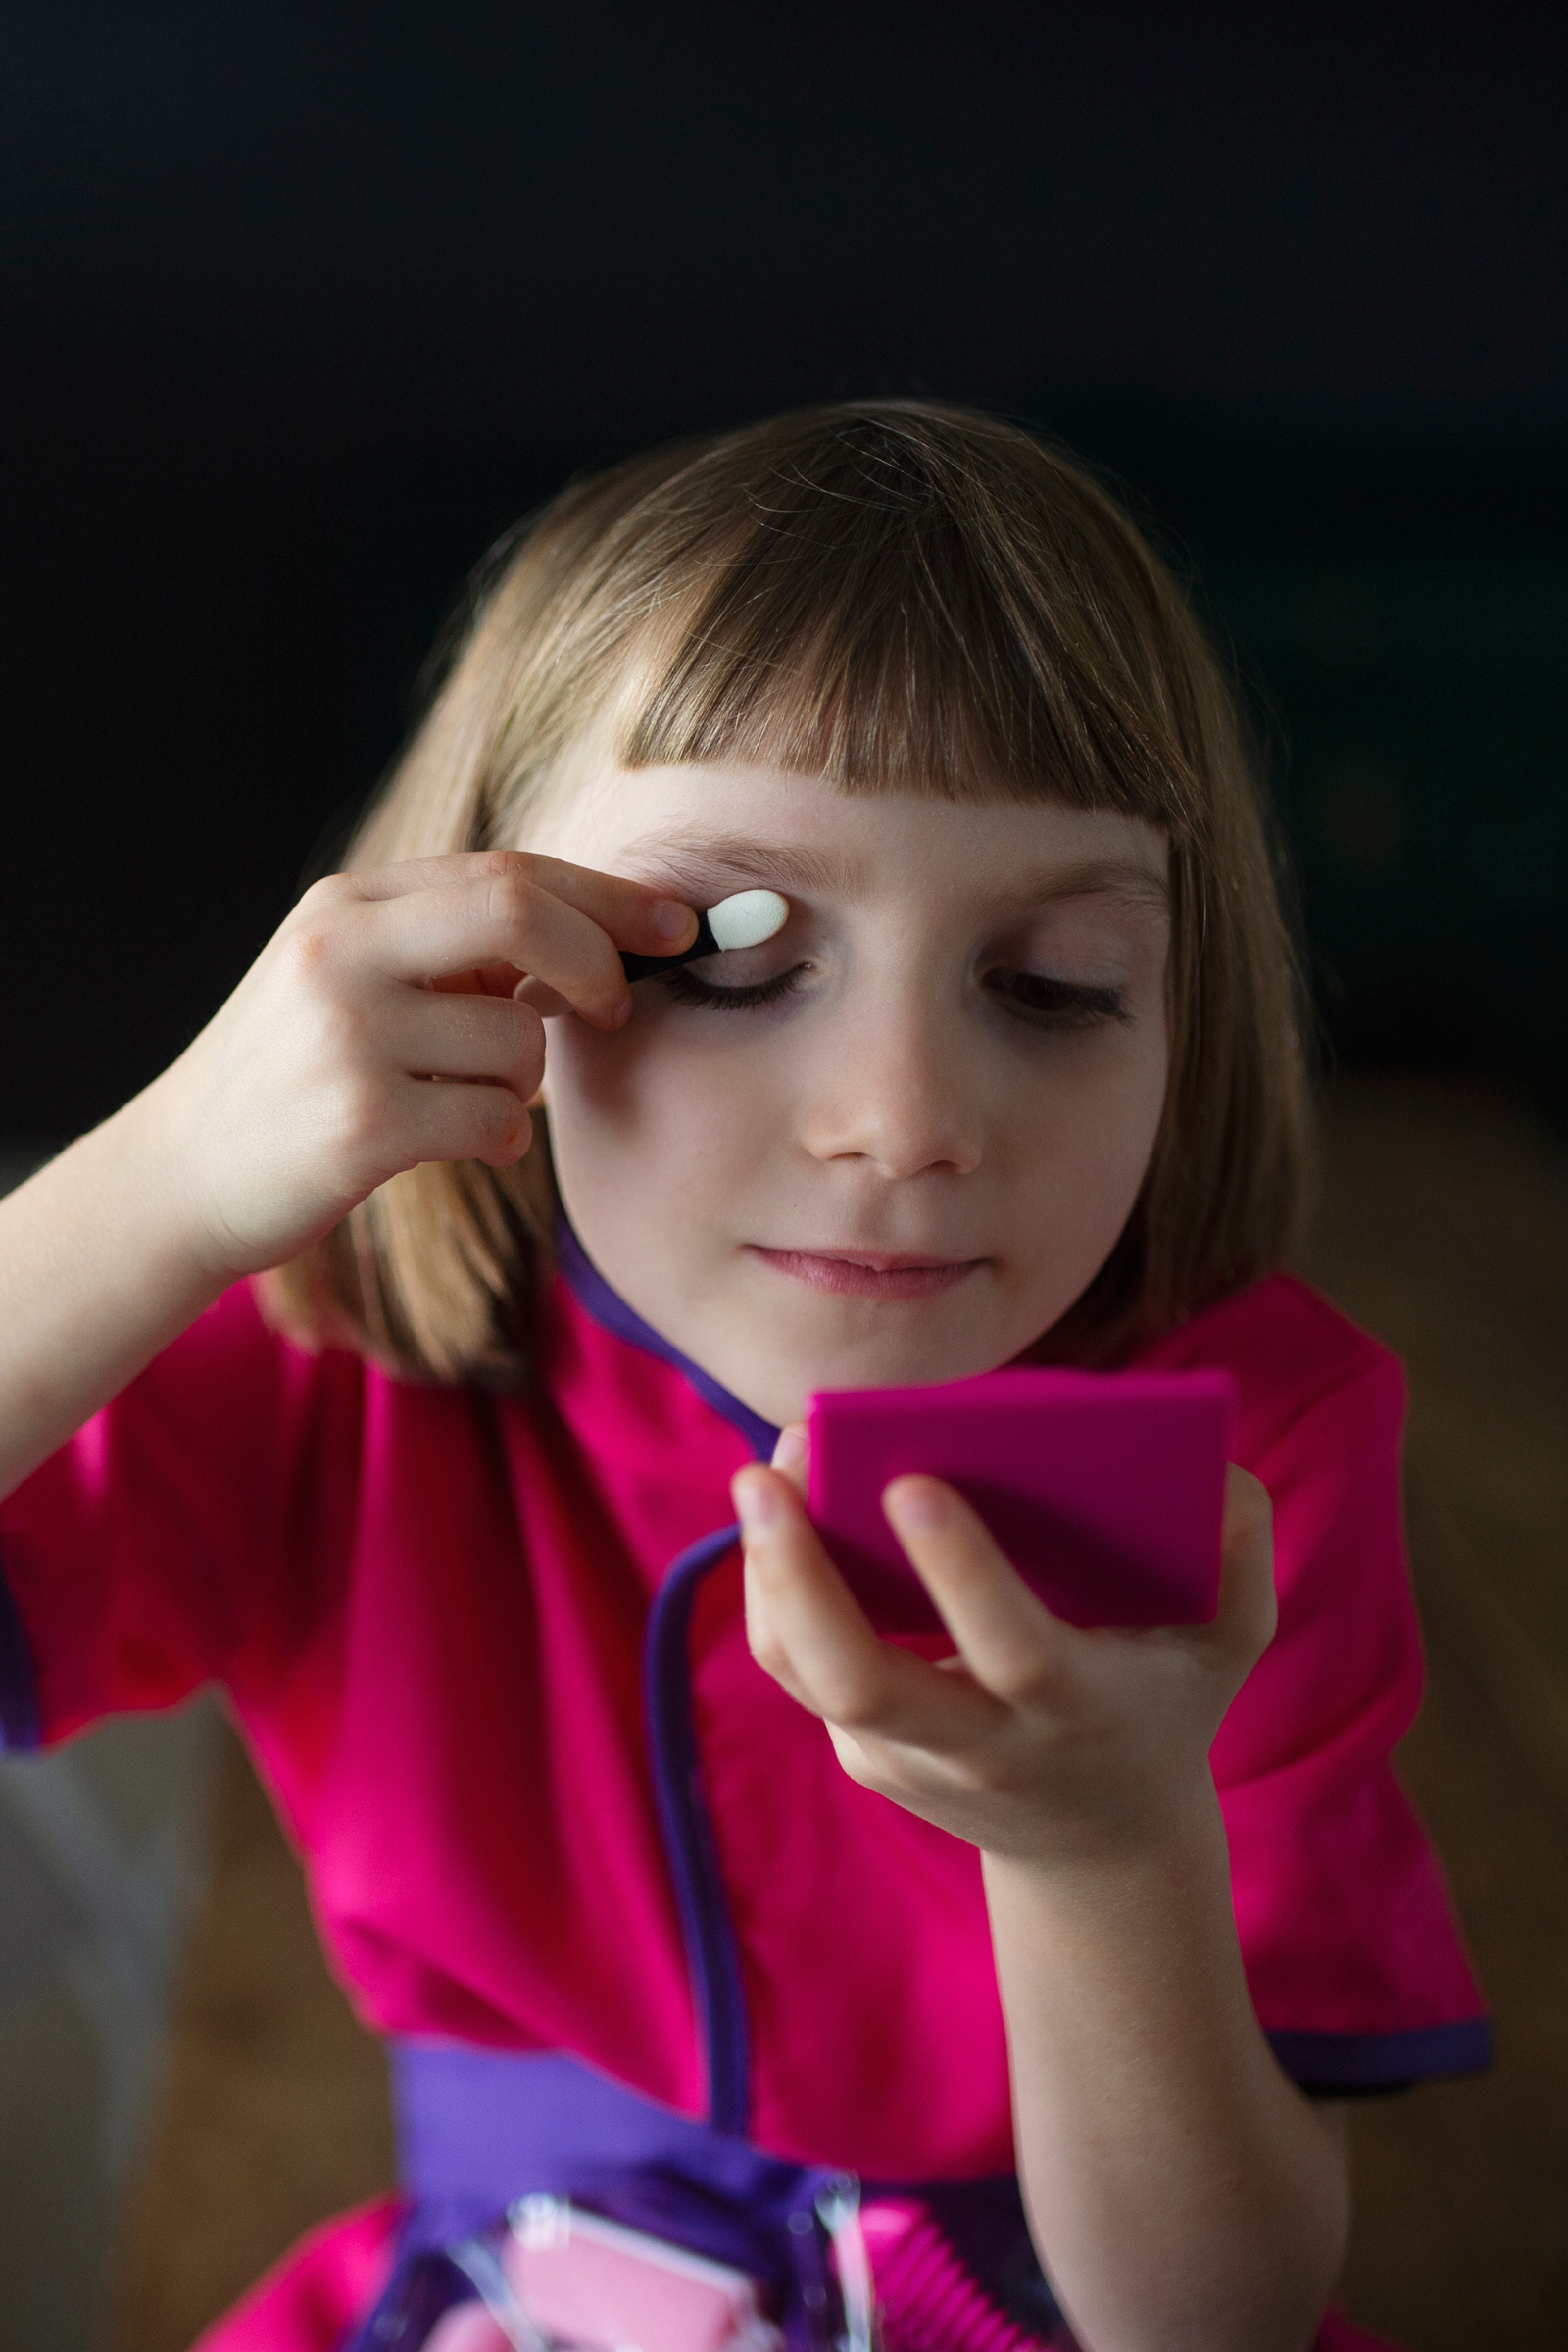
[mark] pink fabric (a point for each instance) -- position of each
(316, 2291)
(307, 2302)
(428, 1605)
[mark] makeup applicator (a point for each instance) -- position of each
(742, 921)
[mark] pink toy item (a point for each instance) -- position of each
(586, 2281)
(468, 2327)
(567, 2277)
(1105, 1490)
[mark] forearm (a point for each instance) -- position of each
(100, 1267)
(1184, 2197)
(1181, 2193)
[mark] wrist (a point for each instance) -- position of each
(1176, 1836)
(144, 1169)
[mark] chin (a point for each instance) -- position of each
(886, 1364)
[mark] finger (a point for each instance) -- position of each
(492, 980)
(809, 1631)
(792, 1455)
(636, 915)
(1004, 1634)
(466, 926)
(1248, 1608)
(545, 1001)
(466, 1037)
(423, 1120)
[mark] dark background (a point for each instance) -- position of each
(303, 305)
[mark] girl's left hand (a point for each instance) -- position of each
(1040, 1740)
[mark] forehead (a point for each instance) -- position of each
(706, 830)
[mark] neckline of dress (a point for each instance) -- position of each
(609, 1311)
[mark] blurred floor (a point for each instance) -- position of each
(101, 1863)
(101, 1867)
(1444, 1227)
(276, 2106)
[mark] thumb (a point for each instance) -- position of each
(792, 1455)
(1247, 1608)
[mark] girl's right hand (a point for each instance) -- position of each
(383, 1026)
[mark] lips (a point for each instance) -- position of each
(869, 1273)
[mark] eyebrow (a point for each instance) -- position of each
(686, 854)
(692, 862)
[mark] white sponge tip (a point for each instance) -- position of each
(747, 918)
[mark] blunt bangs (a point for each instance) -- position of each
(902, 609)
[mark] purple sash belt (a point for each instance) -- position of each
(479, 2128)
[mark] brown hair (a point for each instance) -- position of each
(901, 597)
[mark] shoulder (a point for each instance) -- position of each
(233, 1360)
(193, 1528)
(230, 1407)
(1294, 1357)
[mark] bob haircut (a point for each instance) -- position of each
(901, 597)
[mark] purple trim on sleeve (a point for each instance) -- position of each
(20, 1729)
(609, 1311)
(1353, 2061)
(688, 1834)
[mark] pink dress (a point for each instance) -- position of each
(433, 1612)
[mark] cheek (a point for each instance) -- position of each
(1143, 1101)
(1088, 1144)
(1131, 1103)
(680, 1110)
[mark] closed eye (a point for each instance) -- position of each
(684, 986)
(1056, 1004)
(1035, 997)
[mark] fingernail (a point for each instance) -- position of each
(917, 1505)
(672, 920)
(790, 1452)
(757, 1502)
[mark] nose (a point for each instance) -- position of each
(895, 1088)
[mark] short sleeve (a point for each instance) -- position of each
(1353, 1955)
(186, 1534)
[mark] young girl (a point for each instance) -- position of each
(679, 1893)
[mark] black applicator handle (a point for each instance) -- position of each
(642, 968)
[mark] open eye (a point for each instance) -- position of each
(1056, 1003)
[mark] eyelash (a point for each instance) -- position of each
(686, 989)
(1053, 1003)
(1063, 1003)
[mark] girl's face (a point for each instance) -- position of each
(896, 1142)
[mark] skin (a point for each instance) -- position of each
(904, 1168)
(898, 1101)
